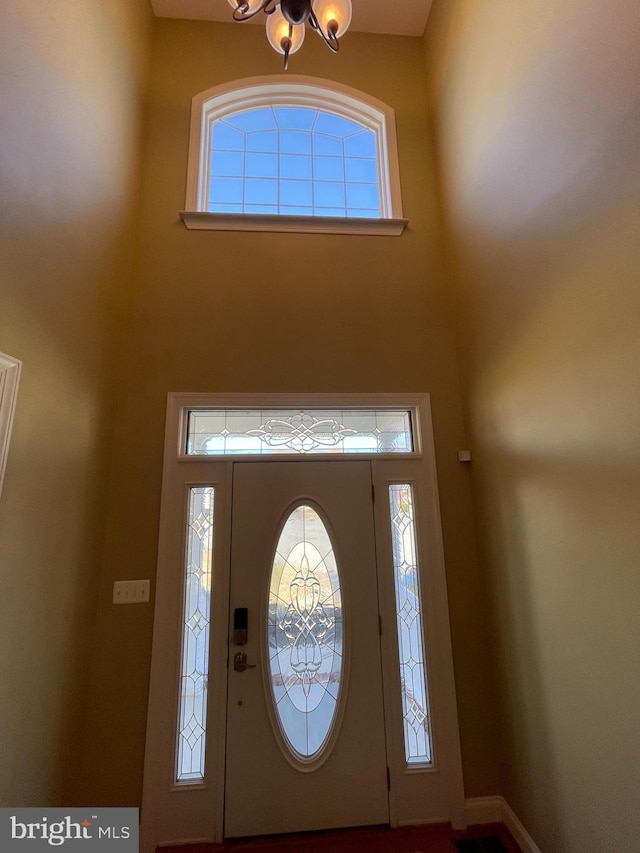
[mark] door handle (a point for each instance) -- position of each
(240, 662)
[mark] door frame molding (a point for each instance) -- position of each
(176, 813)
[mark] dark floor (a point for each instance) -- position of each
(441, 838)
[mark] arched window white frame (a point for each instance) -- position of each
(228, 99)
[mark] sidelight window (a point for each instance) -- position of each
(194, 672)
(413, 674)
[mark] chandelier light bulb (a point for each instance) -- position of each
(334, 16)
(278, 33)
(286, 21)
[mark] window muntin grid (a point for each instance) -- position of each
(294, 431)
(293, 161)
(413, 673)
(194, 672)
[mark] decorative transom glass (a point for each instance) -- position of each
(291, 431)
(192, 718)
(305, 633)
(293, 160)
(413, 677)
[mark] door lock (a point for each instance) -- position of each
(240, 662)
(240, 625)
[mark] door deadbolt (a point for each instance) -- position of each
(240, 662)
(240, 626)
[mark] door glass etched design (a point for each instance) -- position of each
(222, 433)
(305, 636)
(192, 719)
(413, 677)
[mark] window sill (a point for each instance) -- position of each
(201, 221)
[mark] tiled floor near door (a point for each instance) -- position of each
(419, 839)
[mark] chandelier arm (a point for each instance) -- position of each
(329, 38)
(287, 47)
(267, 6)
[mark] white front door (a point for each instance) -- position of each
(305, 723)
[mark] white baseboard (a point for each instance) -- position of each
(517, 829)
(484, 810)
(498, 810)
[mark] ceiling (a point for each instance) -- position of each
(407, 18)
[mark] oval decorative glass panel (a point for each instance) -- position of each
(305, 633)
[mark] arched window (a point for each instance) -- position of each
(304, 155)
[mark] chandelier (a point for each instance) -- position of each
(286, 21)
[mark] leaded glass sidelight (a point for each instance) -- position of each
(192, 718)
(305, 633)
(413, 678)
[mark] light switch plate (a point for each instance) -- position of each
(131, 592)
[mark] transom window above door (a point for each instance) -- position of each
(301, 155)
(294, 431)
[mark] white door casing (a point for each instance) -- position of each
(179, 813)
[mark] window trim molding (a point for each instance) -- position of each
(203, 221)
(10, 369)
(304, 91)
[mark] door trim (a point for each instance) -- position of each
(178, 813)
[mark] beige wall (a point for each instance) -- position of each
(282, 313)
(69, 114)
(537, 110)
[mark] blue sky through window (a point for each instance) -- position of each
(293, 161)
